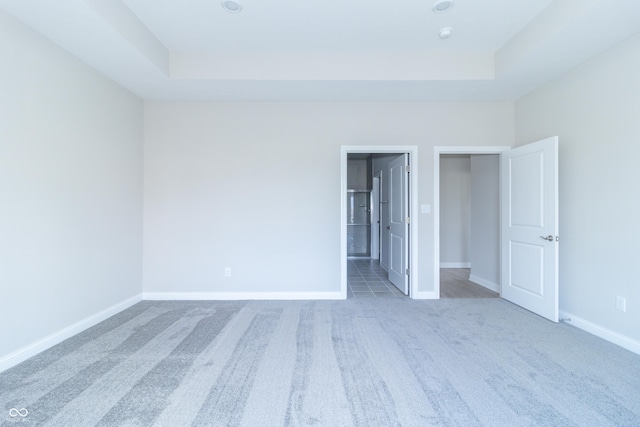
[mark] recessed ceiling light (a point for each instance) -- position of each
(231, 6)
(442, 6)
(445, 33)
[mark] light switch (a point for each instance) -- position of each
(425, 208)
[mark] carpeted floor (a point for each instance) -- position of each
(363, 362)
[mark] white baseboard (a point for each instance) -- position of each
(455, 265)
(225, 296)
(602, 332)
(426, 295)
(484, 282)
(20, 355)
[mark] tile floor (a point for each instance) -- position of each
(366, 279)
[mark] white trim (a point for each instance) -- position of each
(412, 150)
(426, 295)
(455, 265)
(20, 355)
(464, 149)
(437, 151)
(601, 332)
(240, 296)
(484, 282)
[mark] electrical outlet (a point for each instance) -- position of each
(621, 304)
(227, 272)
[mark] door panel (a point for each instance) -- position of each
(396, 248)
(529, 187)
(375, 218)
(528, 277)
(398, 227)
(384, 221)
(526, 200)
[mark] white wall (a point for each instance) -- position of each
(484, 245)
(256, 186)
(71, 191)
(455, 190)
(594, 110)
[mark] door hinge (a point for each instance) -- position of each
(408, 168)
(408, 272)
(408, 220)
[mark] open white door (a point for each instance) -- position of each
(529, 186)
(398, 223)
(375, 218)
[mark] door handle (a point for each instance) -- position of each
(388, 227)
(549, 238)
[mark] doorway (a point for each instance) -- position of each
(457, 274)
(469, 225)
(528, 223)
(398, 237)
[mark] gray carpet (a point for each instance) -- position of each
(362, 362)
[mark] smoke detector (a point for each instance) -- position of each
(445, 33)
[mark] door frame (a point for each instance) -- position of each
(412, 152)
(438, 151)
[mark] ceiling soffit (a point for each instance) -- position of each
(118, 42)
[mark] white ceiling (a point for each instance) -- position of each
(360, 50)
(329, 26)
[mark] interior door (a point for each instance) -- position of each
(398, 223)
(384, 221)
(529, 187)
(375, 218)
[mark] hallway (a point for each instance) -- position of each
(455, 283)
